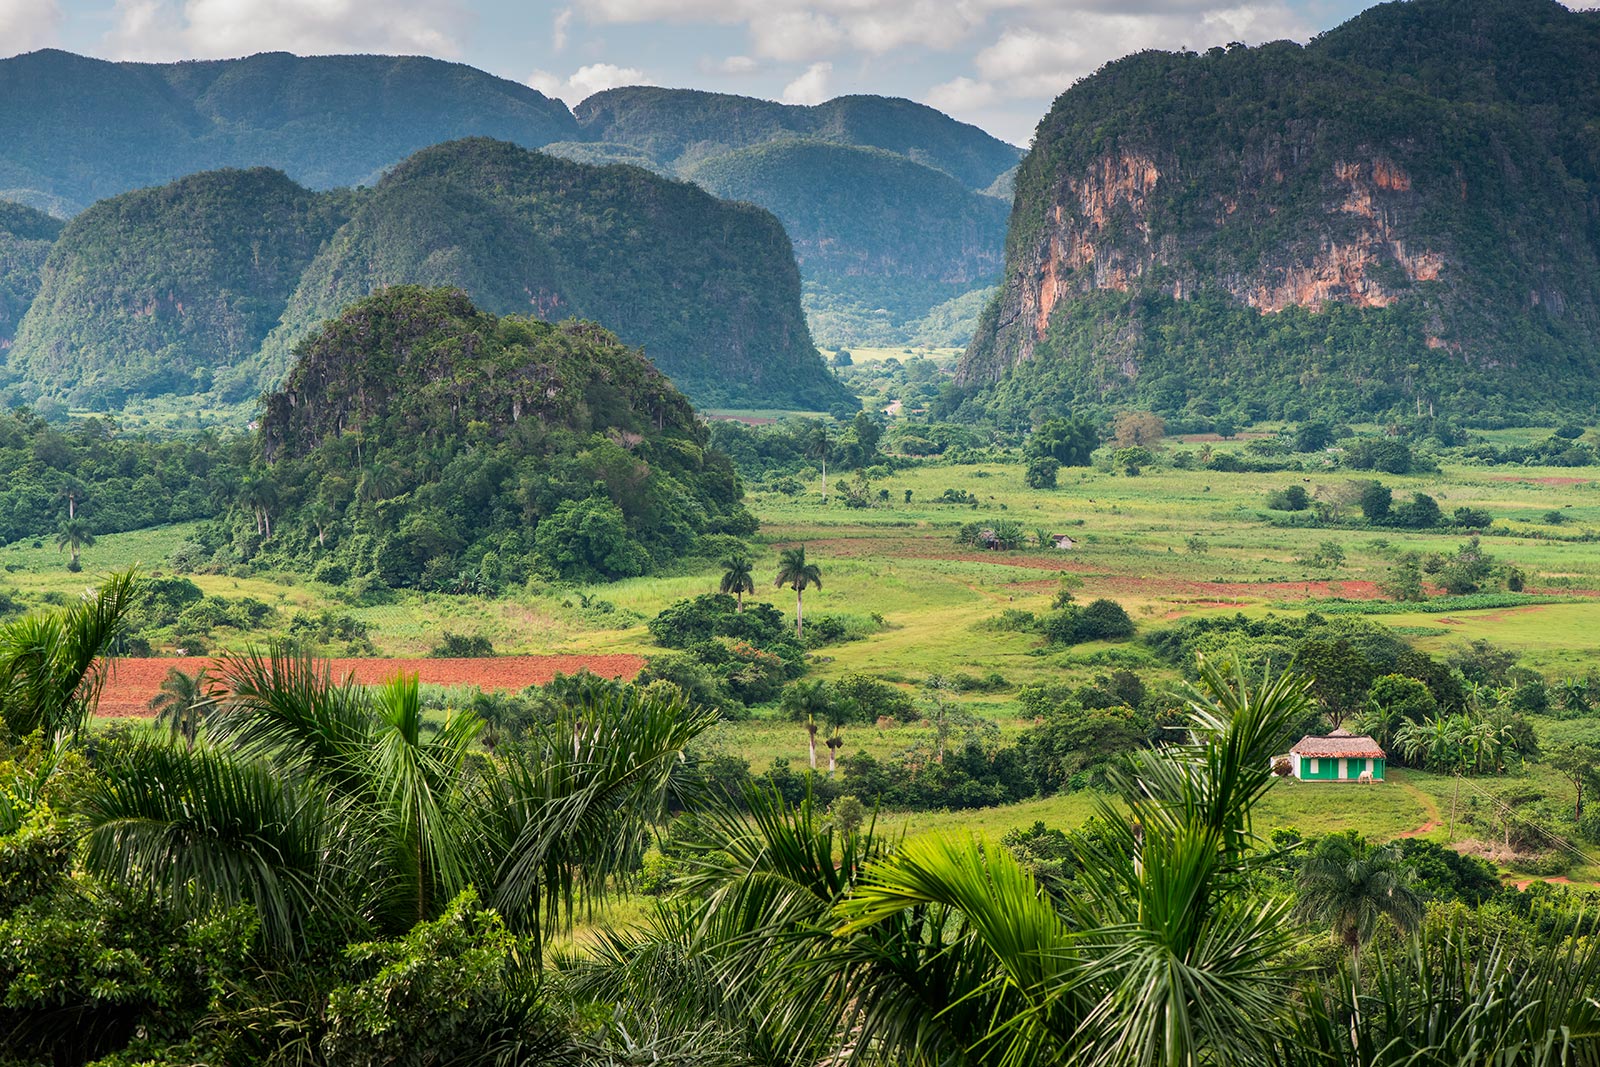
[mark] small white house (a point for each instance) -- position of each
(1339, 757)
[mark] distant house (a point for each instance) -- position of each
(1339, 757)
(1064, 542)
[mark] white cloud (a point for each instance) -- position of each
(157, 29)
(811, 87)
(733, 65)
(1041, 51)
(796, 36)
(962, 94)
(586, 81)
(27, 24)
(559, 28)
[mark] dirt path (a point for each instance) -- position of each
(135, 680)
(1429, 806)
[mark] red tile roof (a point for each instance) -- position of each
(1339, 744)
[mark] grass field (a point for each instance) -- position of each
(1167, 544)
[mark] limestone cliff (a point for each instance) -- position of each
(1345, 224)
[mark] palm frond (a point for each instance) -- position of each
(570, 811)
(202, 829)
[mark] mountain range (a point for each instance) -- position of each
(1403, 214)
(74, 130)
(207, 284)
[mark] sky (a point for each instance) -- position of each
(995, 63)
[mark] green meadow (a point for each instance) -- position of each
(1167, 544)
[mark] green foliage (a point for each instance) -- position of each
(848, 211)
(164, 290)
(110, 480)
(1377, 113)
(1070, 442)
(53, 664)
(460, 988)
(25, 239)
(1099, 620)
(709, 288)
(1041, 473)
(462, 646)
(547, 448)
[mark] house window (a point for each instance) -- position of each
(1313, 766)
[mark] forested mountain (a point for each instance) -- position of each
(25, 239)
(1404, 212)
(208, 283)
(880, 239)
(682, 127)
(74, 130)
(883, 198)
(172, 289)
(421, 441)
(708, 288)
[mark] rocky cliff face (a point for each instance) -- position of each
(1262, 188)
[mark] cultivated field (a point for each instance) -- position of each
(1167, 544)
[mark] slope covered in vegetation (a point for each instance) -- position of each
(170, 290)
(881, 239)
(1398, 214)
(25, 239)
(709, 289)
(74, 130)
(421, 441)
(682, 127)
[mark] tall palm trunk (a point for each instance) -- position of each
(811, 742)
(739, 596)
(799, 611)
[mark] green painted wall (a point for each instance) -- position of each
(1328, 770)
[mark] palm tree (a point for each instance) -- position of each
(835, 742)
(951, 951)
(71, 491)
(819, 447)
(797, 574)
(52, 666)
(736, 578)
(74, 535)
(182, 702)
(805, 701)
(322, 514)
(257, 492)
(331, 805)
(1351, 884)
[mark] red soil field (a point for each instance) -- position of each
(134, 681)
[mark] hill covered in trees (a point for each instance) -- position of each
(171, 289)
(207, 284)
(887, 201)
(25, 239)
(421, 441)
(708, 288)
(74, 130)
(1399, 214)
(880, 239)
(680, 128)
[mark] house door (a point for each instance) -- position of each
(1344, 768)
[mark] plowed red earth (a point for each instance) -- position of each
(134, 681)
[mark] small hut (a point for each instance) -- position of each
(1064, 542)
(1339, 757)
